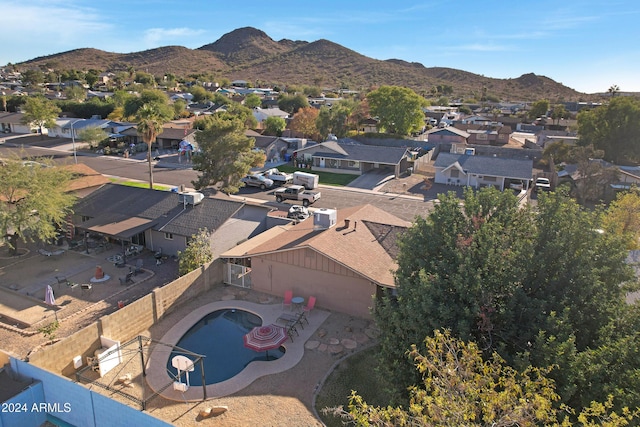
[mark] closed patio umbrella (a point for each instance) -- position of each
(50, 299)
(265, 338)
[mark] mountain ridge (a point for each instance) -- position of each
(250, 54)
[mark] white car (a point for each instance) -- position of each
(542, 184)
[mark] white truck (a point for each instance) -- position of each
(307, 180)
(278, 177)
(297, 193)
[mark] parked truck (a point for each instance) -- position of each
(297, 193)
(278, 177)
(307, 180)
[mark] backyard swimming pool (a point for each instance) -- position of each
(219, 336)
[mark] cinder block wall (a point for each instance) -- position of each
(127, 322)
(58, 357)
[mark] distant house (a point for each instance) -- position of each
(481, 171)
(447, 136)
(486, 134)
(162, 219)
(343, 258)
(168, 139)
(12, 123)
(369, 125)
(262, 114)
(352, 158)
(274, 147)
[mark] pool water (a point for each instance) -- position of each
(219, 336)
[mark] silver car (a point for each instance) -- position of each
(257, 181)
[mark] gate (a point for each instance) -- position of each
(237, 275)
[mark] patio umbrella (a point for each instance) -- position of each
(50, 299)
(265, 338)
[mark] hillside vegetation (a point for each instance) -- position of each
(250, 54)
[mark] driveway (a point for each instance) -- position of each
(373, 179)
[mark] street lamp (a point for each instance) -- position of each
(73, 141)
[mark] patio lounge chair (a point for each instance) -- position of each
(312, 303)
(288, 296)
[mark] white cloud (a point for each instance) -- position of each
(155, 37)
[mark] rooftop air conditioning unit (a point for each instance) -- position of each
(325, 218)
(192, 198)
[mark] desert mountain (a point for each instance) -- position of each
(250, 54)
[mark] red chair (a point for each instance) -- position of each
(310, 304)
(288, 295)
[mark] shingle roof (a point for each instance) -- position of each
(114, 202)
(492, 166)
(358, 152)
(368, 248)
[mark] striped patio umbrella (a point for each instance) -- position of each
(265, 338)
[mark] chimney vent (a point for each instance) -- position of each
(346, 223)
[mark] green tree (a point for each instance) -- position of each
(274, 125)
(40, 112)
(35, 203)
(200, 94)
(614, 128)
(150, 119)
(323, 122)
(593, 177)
(493, 273)
(292, 103)
(613, 90)
(252, 101)
(623, 218)
(91, 77)
(399, 109)
(33, 77)
(539, 109)
(75, 93)
(196, 254)
(226, 154)
(558, 112)
(459, 387)
(145, 79)
(148, 96)
(92, 136)
(49, 331)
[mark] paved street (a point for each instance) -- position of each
(403, 206)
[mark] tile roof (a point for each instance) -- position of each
(366, 247)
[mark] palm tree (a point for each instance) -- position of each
(150, 121)
(613, 90)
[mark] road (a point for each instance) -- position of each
(405, 207)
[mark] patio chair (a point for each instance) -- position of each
(307, 308)
(288, 296)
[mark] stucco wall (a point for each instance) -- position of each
(335, 287)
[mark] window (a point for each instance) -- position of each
(168, 236)
(85, 218)
(490, 178)
(455, 173)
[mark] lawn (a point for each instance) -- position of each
(140, 184)
(354, 373)
(326, 178)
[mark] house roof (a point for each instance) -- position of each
(483, 165)
(83, 177)
(357, 152)
(448, 131)
(368, 247)
(160, 210)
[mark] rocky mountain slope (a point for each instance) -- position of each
(250, 54)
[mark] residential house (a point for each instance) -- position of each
(343, 258)
(479, 171)
(274, 147)
(353, 158)
(168, 139)
(166, 220)
(262, 114)
(486, 134)
(369, 125)
(446, 136)
(12, 123)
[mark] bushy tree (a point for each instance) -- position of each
(623, 218)
(274, 125)
(613, 128)
(399, 109)
(252, 101)
(533, 286)
(40, 112)
(304, 122)
(458, 387)
(292, 103)
(92, 136)
(226, 154)
(34, 202)
(539, 109)
(196, 254)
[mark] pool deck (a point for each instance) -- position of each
(157, 376)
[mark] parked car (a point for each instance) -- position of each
(542, 184)
(278, 177)
(257, 181)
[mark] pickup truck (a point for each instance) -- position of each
(298, 193)
(278, 177)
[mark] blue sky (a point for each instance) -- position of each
(584, 44)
